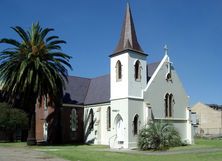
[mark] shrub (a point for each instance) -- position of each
(12, 119)
(158, 136)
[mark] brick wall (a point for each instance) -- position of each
(67, 135)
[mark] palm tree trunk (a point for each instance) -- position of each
(31, 140)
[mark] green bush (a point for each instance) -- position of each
(158, 136)
(12, 119)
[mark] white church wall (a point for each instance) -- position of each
(135, 108)
(105, 132)
(99, 133)
(136, 86)
(119, 108)
(119, 89)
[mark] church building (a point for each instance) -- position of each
(111, 109)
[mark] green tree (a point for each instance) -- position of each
(12, 119)
(158, 135)
(33, 67)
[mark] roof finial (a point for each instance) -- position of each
(165, 49)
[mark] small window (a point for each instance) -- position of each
(73, 120)
(108, 118)
(168, 74)
(118, 71)
(137, 70)
(135, 124)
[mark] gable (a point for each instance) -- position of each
(158, 86)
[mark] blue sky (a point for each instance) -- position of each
(192, 29)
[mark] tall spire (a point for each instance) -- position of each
(128, 39)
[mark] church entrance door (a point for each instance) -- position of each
(119, 129)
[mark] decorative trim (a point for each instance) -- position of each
(171, 119)
(99, 104)
(125, 50)
(155, 73)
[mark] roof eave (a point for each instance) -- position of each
(126, 50)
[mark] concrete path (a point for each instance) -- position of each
(25, 154)
(190, 151)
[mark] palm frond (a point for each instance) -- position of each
(21, 33)
(45, 32)
(10, 42)
(51, 38)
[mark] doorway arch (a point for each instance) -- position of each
(119, 129)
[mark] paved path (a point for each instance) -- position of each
(189, 151)
(25, 154)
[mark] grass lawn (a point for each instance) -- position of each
(203, 150)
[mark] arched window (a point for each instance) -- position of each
(108, 118)
(135, 124)
(91, 119)
(137, 67)
(45, 131)
(118, 71)
(169, 101)
(166, 104)
(73, 120)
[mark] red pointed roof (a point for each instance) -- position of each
(128, 38)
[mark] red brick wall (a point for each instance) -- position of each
(41, 115)
(68, 136)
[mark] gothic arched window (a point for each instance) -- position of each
(137, 67)
(73, 120)
(135, 124)
(166, 104)
(118, 71)
(108, 118)
(169, 101)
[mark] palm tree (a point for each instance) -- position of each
(33, 67)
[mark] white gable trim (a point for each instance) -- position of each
(165, 58)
